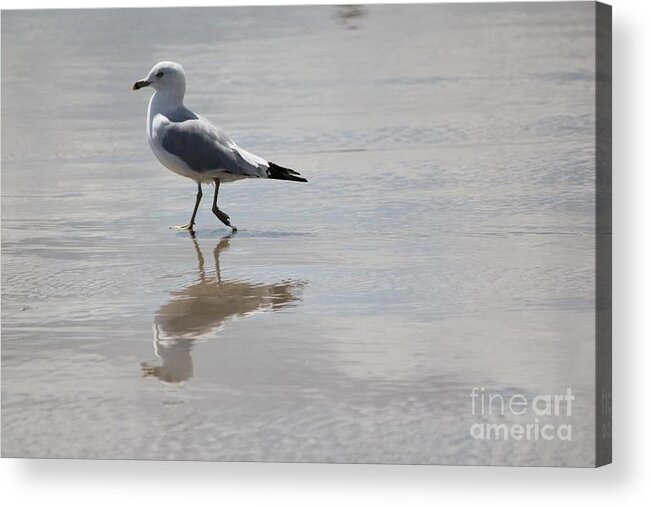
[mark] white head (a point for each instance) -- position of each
(164, 77)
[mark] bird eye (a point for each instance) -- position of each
(159, 74)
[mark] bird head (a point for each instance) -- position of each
(163, 76)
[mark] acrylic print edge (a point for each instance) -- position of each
(603, 235)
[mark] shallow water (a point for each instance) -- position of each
(445, 239)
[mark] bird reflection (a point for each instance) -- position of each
(350, 15)
(203, 307)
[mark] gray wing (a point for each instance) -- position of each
(206, 149)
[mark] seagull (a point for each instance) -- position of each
(191, 146)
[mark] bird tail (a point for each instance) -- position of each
(276, 172)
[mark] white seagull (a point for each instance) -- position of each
(191, 146)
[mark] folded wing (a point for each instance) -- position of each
(206, 149)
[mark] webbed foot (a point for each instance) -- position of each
(186, 227)
(224, 218)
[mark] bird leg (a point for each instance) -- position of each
(225, 219)
(190, 224)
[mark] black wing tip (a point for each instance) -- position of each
(277, 172)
